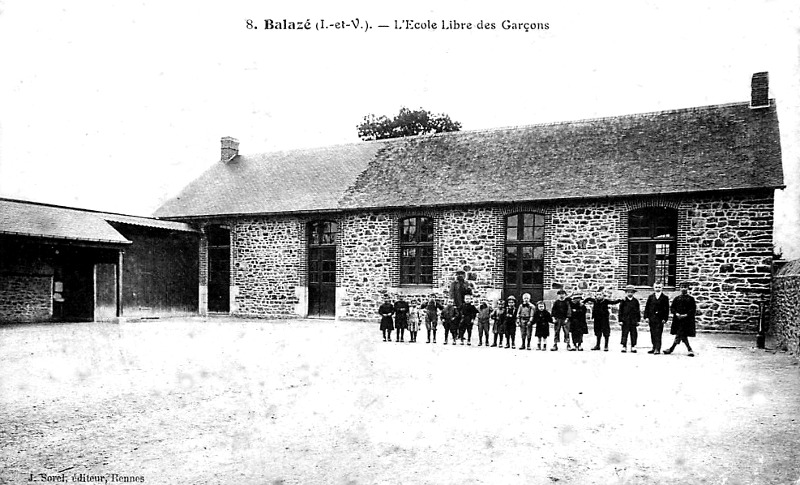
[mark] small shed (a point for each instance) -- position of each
(65, 264)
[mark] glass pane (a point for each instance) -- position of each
(538, 233)
(538, 252)
(538, 278)
(511, 228)
(527, 234)
(511, 278)
(425, 229)
(528, 219)
(539, 220)
(527, 278)
(511, 258)
(409, 230)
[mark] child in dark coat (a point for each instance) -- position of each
(629, 316)
(498, 317)
(432, 318)
(484, 314)
(468, 313)
(386, 310)
(577, 324)
(600, 315)
(400, 319)
(510, 321)
(450, 319)
(560, 312)
(542, 319)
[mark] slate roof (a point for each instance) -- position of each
(712, 148)
(24, 218)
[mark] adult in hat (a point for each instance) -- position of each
(684, 309)
(629, 316)
(656, 311)
(458, 288)
(561, 312)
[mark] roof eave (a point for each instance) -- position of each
(231, 215)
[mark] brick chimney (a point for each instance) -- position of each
(759, 90)
(230, 149)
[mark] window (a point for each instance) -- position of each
(416, 251)
(524, 261)
(652, 246)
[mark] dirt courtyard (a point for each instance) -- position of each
(231, 401)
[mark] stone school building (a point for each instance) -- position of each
(602, 203)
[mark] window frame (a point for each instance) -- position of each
(519, 242)
(655, 217)
(417, 276)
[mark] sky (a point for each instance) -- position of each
(117, 105)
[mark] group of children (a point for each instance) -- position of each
(567, 315)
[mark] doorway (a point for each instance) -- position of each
(219, 269)
(322, 237)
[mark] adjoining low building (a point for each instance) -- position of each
(675, 195)
(64, 264)
(786, 307)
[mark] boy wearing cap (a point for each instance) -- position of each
(510, 321)
(498, 316)
(386, 310)
(684, 309)
(468, 313)
(577, 321)
(450, 321)
(525, 320)
(401, 309)
(561, 312)
(656, 311)
(484, 315)
(600, 315)
(629, 316)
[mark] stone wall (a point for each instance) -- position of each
(585, 245)
(729, 259)
(364, 262)
(265, 266)
(724, 247)
(25, 298)
(785, 325)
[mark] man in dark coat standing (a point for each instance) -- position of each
(684, 309)
(459, 288)
(629, 316)
(656, 311)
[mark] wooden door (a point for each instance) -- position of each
(219, 270)
(322, 269)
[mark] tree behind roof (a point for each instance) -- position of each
(406, 123)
